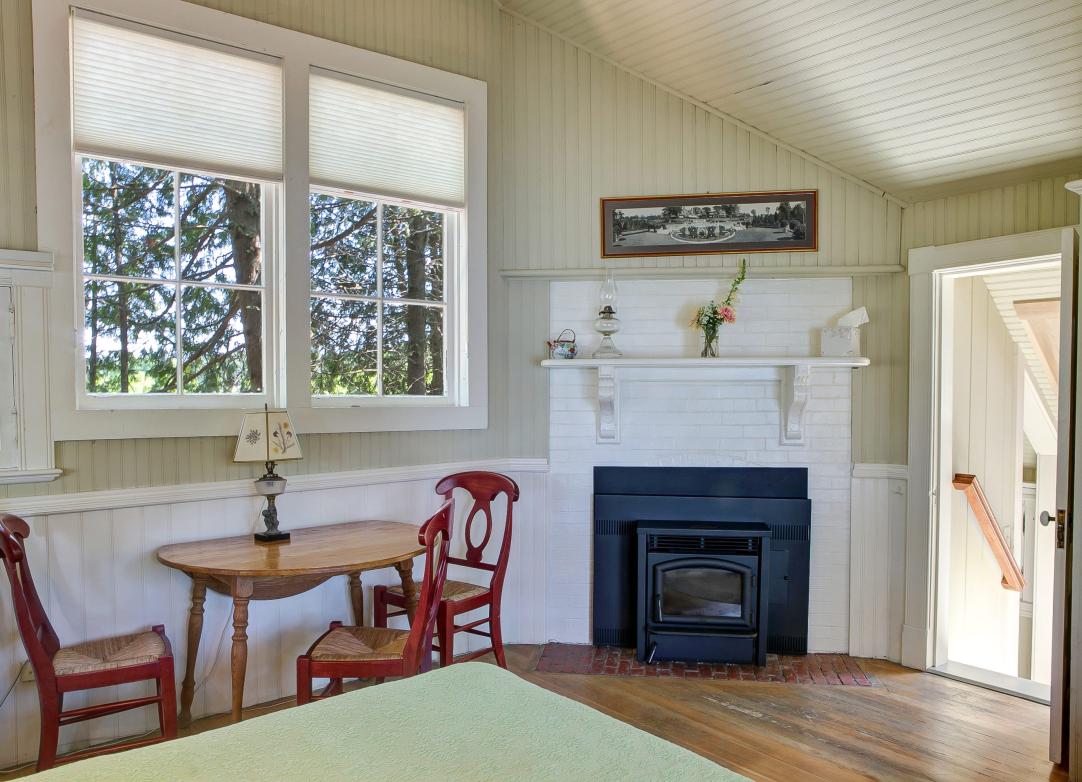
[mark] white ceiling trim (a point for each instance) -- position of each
(704, 106)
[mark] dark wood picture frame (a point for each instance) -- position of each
(710, 223)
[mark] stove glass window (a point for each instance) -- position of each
(701, 592)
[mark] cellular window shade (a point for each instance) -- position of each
(158, 97)
(385, 141)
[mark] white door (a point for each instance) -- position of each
(1066, 670)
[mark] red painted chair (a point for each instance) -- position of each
(137, 657)
(459, 597)
(362, 652)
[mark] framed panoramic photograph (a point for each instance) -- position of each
(784, 221)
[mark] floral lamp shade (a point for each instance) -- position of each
(267, 436)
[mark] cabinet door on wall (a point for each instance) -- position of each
(9, 446)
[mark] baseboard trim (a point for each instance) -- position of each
(915, 647)
(891, 471)
(82, 502)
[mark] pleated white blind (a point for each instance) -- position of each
(386, 141)
(174, 100)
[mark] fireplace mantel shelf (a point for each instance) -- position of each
(796, 383)
(853, 362)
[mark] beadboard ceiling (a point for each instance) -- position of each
(913, 96)
(1028, 285)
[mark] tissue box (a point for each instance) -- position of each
(840, 341)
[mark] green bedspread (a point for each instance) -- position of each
(472, 721)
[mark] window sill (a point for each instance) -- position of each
(134, 424)
(29, 476)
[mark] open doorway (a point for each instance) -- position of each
(996, 419)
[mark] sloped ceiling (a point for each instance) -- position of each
(912, 96)
(1028, 285)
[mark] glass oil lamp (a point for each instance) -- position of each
(607, 323)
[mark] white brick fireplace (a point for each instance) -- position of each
(701, 416)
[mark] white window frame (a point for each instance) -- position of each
(455, 386)
(87, 400)
(287, 316)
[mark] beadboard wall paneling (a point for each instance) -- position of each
(880, 392)
(997, 211)
(18, 216)
(565, 128)
(97, 576)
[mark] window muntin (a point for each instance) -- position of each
(379, 305)
(172, 281)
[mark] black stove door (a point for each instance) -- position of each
(702, 591)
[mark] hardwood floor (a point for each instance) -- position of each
(912, 726)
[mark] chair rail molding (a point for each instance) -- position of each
(115, 499)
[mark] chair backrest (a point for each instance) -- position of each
(435, 536)
(39, 638)
(484, 488)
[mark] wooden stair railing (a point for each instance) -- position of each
(993, 534)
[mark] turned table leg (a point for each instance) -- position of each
(242, 592)
(409, 586)
(356, 597)
(195, 632)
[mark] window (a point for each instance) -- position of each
(383, 266)
(172, 281)
(378, 298)
(258, 216)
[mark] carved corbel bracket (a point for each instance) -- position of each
(796, 393)
(608, 405)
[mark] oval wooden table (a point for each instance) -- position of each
(246, 570)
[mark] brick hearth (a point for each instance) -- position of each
(831, 669)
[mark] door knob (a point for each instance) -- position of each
(1060, 518)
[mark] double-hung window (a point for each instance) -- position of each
(176, 142)
(252, 215)
(387, 194)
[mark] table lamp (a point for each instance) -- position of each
(268, 436)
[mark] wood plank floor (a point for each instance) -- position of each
(913, 726)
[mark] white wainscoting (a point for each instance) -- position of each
(877, 560)
(92, 556)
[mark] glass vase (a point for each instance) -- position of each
(710, 343)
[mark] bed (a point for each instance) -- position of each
(471, 721)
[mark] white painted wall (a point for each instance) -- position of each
(97, 576)
(701, 417)
(877, 560)
(986, 441)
